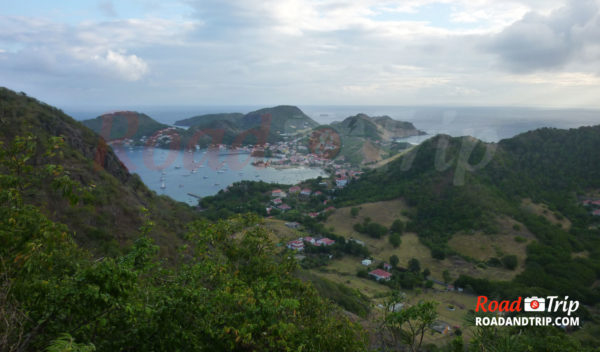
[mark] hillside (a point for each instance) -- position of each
(107, 218)
(451, 196)
(203, 120)
(378, 128)
(124, 124)
(367, 140)
(83, 267)
(264, 125)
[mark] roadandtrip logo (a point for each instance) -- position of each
(551, 312)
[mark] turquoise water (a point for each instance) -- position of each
(202, 172)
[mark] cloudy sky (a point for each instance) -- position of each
(539, 53)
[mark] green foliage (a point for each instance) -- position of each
(414, 265)
(408, 325)
(395, 239)
(350, 299)
(510, 262)
(231, 291)
(446, 276)
(370, 228)
(394, 260)
(125, 124)
(397, 226)
(354, 212)
(66, 343)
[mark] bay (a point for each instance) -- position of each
(185, 176)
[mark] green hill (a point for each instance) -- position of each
(204, 120)
(368, 139)
(450, 194)
(124, 124)
(108, 217)
(268, 125)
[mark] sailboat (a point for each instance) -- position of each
(163, 186)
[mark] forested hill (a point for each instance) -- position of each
(107, 216)
(464, 185)
(124, 124)
(272, 122)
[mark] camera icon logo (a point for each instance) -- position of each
(535, 304)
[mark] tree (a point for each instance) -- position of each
(414, 265)
(354, 212)
(446, 276)
(395, 239)
(394, 260)
(426, 273)
(510, 261)
(408, 325)
(397, 226)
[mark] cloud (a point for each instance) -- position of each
(101, 49)
(568, 35)
(128, 67)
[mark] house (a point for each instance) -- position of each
(396, 307)
(325, 241)
(387, 266)
(324, 184)
(357, 241)
(284, 207)
(441, 326)
(292, 225)
(277, 193)
(341, 182)
(379, 275)
(306, 192)
(313, 215)
(269, 210)
(309, 239)
(294, 189)
(366, 262)
(277, 201)
(296, 245)
(596, 212)
(317, 193)
(332, 208)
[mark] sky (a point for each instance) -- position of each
(531, 53)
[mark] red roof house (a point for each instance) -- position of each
(379, 275)
(325, 241)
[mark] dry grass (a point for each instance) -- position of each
(387, 211)
(390, 159)
(543, 210)
(482, 246)
(367, 287)
(281, 233)
(370, 152)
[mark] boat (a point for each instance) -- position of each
(217, 184)
(205, 177)
(163, 186)
(220, 171)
